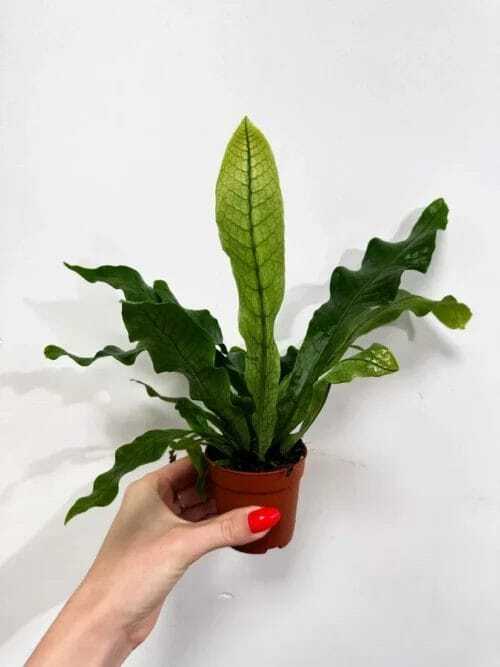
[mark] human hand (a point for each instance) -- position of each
(161, 528)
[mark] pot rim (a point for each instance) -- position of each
(245, 473)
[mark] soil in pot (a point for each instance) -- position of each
(276, 488)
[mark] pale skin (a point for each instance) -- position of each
(161, 528)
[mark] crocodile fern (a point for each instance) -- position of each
(249, 408)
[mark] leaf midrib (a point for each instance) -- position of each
(260, 289)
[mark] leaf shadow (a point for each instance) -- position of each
(48, 464)
(306, 295)
(70, 318)
(71, 385)
(119, 424)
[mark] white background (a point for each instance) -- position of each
(114, 117)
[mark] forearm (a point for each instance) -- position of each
(86, 633)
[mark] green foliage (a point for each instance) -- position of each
(251, 406)
(359, 302)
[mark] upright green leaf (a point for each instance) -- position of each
(176, 343)
(358, 297)
(147, 448)
(249, 212)
(375, 361)
(126, 357)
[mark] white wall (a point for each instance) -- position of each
(114, 116)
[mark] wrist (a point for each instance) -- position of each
(86, 632)
(98, 617)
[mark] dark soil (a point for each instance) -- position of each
(248, 461)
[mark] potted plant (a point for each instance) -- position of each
(249, 409)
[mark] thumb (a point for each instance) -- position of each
(234, 528)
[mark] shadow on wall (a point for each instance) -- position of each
(49, 464)
(120, 425)
(70, 385)
(98, 385)
(69, 319)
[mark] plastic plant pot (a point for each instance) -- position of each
(279, 488)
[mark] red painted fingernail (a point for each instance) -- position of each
(263, 519)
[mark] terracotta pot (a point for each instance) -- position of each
(279, 488)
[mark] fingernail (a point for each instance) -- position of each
(263, 519)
